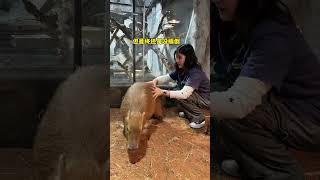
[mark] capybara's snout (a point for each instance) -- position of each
(134, 139)
(133, 146)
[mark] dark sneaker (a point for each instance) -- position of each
(231, 168)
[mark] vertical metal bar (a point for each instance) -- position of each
(107, 37)
(107, 76)
(133, 34)
(77, 19)
(143, 33)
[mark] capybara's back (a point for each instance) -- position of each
(71, 142)
(137, 106)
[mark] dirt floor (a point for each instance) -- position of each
(15, 164)
(173, 151)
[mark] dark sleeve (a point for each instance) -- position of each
(269, 58)
(194, 80)
(174, 75)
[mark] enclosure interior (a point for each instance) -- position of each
(148, 19)
(40, 45)
(306, 14)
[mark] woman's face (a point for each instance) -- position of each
(227, 9)
(180, 59)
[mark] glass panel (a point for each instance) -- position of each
(93, 32)
(121, 2)
(121, 6)
(120, 43)
(36, 37)
(132, 60)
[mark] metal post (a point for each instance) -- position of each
(133, 34)
(143, 33)
(107, 36)
(77, 49)
(107, 57)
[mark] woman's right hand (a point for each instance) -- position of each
(154, 82)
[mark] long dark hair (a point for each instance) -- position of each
(229, 37)
(191, 60)
(250, 12)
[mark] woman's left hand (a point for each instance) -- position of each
(157, 92)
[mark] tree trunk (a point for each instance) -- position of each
(201, 35)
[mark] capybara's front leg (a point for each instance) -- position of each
(159, 109)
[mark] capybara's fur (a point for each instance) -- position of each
(137, 107)
(71, 142)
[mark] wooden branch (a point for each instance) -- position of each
(163, 59)
(164, 31)
(152, 4)
(122, 27)
(170, 57)
(114, 34)
(126, 54)
(124, 68)
(49, 4)
(50, 21)
(160, 25)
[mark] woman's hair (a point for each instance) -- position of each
(250, 12)
(191, 60)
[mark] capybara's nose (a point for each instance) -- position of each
(133, 146)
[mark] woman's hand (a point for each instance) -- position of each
(154, 82)
(157, 92)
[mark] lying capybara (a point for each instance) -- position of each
(72, 138)
(137, 106)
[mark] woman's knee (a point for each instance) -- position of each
(227, 126)
(236, 127)
(230, 123)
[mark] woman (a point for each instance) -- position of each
(271, 99)
(193, 84)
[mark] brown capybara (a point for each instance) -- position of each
(72, 138)
(137, 107)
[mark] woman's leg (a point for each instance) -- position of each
(258, 153)
(259, 141)
(192, 106)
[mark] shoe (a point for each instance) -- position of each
(231, 168)
(195, 125)
(181, 114)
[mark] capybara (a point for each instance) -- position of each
(72, 138)
(137, 107)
